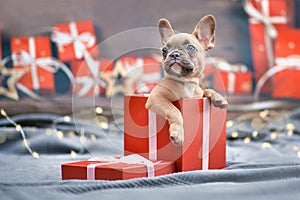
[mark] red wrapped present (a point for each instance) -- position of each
(75, 40)
(147, 134)
(234, 82)
(88, 77)
(267, 19)
(114, 168)
(34, 52)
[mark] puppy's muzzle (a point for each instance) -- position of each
(175, 55)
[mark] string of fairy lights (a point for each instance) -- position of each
(83, 137)
(250, 127)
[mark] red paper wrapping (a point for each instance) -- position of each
(262, 44)
(37, 78)
(115, 171)
(70, 36)
(85, 78)
(205, 134)
(234, 82)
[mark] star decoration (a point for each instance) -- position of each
(128, 79)
(14, 76)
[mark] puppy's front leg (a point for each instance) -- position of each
(166, 109)
(217, 99)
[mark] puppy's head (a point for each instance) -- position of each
(183, 53)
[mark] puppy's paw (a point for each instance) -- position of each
(176, 134)
(219, 101)
(216, 99)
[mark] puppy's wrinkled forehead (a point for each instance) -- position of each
(183, 39)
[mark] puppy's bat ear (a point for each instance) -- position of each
(205, 31)
(165, 30)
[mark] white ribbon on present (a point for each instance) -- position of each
(152, 132)
(81, 42)
(268, 21)
(291, 62)
(130, 159)
(206, 131)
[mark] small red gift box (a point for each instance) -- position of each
(114, 168)
(29, 52)
(263, 34)
(234, 82)
(88, 77)
(74, 40)
(147, 134)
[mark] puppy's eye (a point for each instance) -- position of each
(164, 51)
(191, 48)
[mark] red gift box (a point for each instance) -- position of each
(116, 169)
(74, 40)
(39, 77)
(263, 34)
(147, 134)
(234, 82)
(87, 77)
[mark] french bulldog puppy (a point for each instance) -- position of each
(183, 63)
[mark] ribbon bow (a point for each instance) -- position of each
(22, 58)
(130, 159)
(266, 20)
(80, 41)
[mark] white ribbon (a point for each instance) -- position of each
(130, 159)
(152, 132)
(206, 131)
(231, 82)
(291, 62)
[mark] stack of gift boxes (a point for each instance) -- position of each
(148, 150)
(78, 58)
(275, 46)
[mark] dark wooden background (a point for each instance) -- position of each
(35, 17)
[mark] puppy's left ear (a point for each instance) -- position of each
(205, 31)
(165, 30)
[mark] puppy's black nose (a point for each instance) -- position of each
(175, 54)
